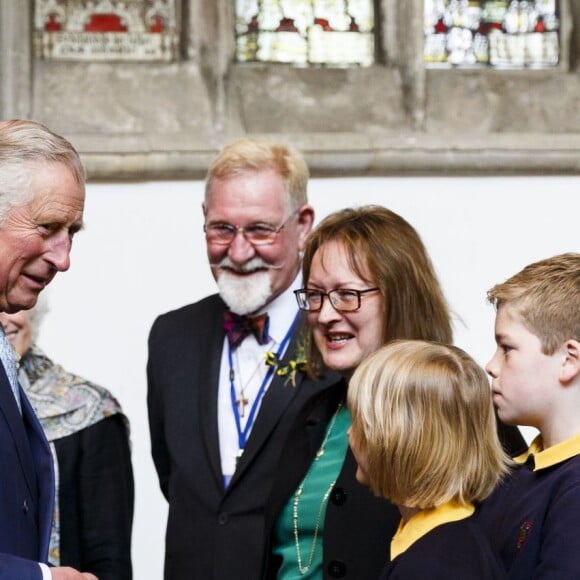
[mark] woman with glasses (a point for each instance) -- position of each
(368, 281)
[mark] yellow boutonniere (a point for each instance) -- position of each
(297, 364)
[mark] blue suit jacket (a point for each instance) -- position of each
(26, 488)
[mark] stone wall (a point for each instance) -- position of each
(166, 120)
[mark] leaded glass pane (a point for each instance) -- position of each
(304, 32)
(492, 33)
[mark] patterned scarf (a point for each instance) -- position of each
(64, 404)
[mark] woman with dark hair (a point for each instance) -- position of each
(368, 281)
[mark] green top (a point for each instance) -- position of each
(305, 510)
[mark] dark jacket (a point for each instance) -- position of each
(26, 488)
(96, 499)
(358, 527)
(212, 533)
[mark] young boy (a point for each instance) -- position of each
(534, 518)
(424, 436)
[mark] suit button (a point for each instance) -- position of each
(338, 496)
(336, 569)
(223, 519)
(25, 507)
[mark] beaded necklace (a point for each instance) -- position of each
(303, 569)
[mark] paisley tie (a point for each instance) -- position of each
(238, 327)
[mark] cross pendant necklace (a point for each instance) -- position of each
(241, 403)
(241, 399)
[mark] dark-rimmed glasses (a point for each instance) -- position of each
(342, 299)
(258, 234)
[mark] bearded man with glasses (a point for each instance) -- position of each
(218, 413)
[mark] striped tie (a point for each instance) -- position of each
(7, 356)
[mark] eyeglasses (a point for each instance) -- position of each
(342, 299)
(258, 234)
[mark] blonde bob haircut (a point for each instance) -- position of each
(246, 155)
(546, 297)
(422, 415)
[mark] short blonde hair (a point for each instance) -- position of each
(257, 154)
(422, 413)
(546, 297)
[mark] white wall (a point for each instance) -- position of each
(143, 252)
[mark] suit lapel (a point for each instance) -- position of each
(44, 470)
(15, 423)
(276, 400)
(209, 360)
(304, 439)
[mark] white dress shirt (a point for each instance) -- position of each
(250, 370)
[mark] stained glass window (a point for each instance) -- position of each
(305, 32)
(492, 33)
(100, 30)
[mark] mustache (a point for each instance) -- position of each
(253, 265)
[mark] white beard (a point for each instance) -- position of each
(245, 294)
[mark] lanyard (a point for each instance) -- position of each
(243, 433)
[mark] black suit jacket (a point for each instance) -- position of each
(212, 533)
(358, 527)
(96, 499)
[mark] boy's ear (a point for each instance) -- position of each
(571, 368)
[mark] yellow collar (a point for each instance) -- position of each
(424, 521)
(552, 455)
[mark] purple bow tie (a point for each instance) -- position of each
(238, 327)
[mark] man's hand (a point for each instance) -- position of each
(66, 573)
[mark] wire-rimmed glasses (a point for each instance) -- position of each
(258, 234)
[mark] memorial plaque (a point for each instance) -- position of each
(106, 30)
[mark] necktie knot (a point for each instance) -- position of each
(237, 327)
